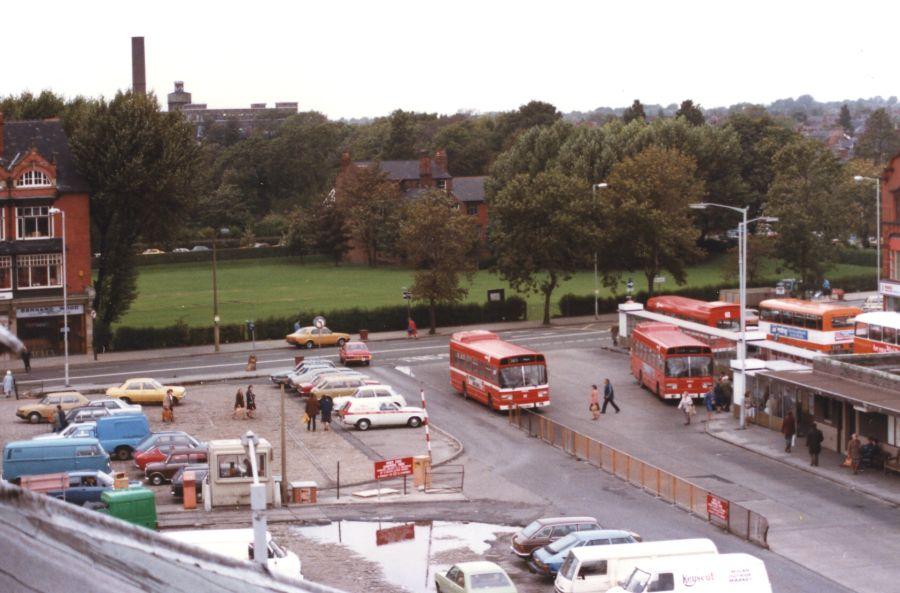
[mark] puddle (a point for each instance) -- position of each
(410, 553)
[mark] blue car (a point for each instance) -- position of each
(547, 560)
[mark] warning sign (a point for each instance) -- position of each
(393, 468)
(717, 508)
(398, 533)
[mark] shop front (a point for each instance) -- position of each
(41, 329)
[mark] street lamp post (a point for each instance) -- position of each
(877, 181)
(65, 283)
(594, 189)
(223, 231)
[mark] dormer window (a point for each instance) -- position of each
(33, 178)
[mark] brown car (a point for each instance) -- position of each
(541, 532)
(162, 471)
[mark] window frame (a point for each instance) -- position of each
(24, 262)
(33, 178)
(21, 217)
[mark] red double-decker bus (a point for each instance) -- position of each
(500, 375)
(669, 362)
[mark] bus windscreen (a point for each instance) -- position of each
(526, 375)
(683, 367)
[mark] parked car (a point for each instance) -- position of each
(541, 532)
(471, 577)
(200, 471)
(162, 471)
(116, 406)
(309, 337)
(43, 410)
(86, 486)
(355, 352)
(282, 377)
(163, 437)
(726, 573)
(258, 245)
(152, 252)
(31, 458)
(238, 544)
(199, 248)
(86, 414)
(547, 560)
(76, 430)
(148, 391)
(181, 250)
(372, 393)
(318, 378)
(364, 414)
(303, 379)
(339, 385)
(873, 302)
(160, 451)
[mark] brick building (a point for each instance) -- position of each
(889, 285)
(37, 173)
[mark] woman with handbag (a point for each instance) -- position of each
(238, 405)
(594, 405)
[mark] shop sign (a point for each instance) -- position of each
(889, 288)
(54, 311)
(6, 296)
(393, 468)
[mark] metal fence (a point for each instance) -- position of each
(445, 478)
(686, 495)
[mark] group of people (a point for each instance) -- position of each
(314, 407)
(244, 405)
(609, 399)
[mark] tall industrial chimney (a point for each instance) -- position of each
(138, 71)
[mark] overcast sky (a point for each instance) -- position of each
(366, 58)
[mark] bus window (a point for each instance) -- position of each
(889, 335)
(875, 332)
(862, 330)
(523, 376)
(841, 322)
(681, 367)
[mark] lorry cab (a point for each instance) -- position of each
(727, 573)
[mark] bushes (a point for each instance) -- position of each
(345, 320)
(857, 257)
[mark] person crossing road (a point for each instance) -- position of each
(609, 397)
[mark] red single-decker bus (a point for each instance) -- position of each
(498, 374)
(669, 362)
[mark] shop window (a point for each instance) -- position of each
(33, 178)
(5, 272)
(33, 222)
(238, 466)
(39, 271)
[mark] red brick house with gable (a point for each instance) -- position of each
(37, 173)
(889, 284)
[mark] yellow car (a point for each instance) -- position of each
(309, 337)
(43, 410)
(145, 391)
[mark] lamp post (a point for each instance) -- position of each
(65, 282)
(877, 180)
(742, 273)
(223, 231)
(594, 189)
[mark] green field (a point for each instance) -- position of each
(255, 289)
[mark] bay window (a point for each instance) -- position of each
(39, 271)
(33, 222)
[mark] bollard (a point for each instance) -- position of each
(189, 483)
(421, 471)
(207, 497)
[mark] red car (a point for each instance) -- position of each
(160, 451)
(355, 352)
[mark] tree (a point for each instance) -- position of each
(879, 140)
(28, 107)
(440, 243)
(533, 114)
(858, 199)
(320, 227)
(636, 111)
(468, 146)
(542, 228)
(691, 113)
(760, 249)
(374, 208)
(140, 164)
(845, 120)
(805, 198)
(401, 140)
(645, 215)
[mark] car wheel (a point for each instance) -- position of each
(126, 400)
(35, 418)
(123, 453)
(309, 345)
(157, 479)
(363, 424)
(414, 422)
(340, 342)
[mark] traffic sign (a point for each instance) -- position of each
(717, 508)
(393, 468)
(319, 321)
(407, 295)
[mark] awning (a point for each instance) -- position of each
(862, 395)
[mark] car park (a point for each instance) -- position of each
(31, 458)
(282, 377)
(309, 337)
(76, 430)
(471, 577)
(86, 414)
(547, 560)
(364, 414)
(355, 353)
(162, 471)
(146, 391)
(372, 393)
(339, 385)
(200, 473)
(541, 532)
(44, 410)
(115, 406)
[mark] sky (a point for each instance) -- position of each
(354, 58)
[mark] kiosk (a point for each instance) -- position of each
(230, 474)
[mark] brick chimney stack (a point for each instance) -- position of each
(138, 70)
(440, 159)
(425, 167)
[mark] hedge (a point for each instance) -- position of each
(347, 320)
(857, 257)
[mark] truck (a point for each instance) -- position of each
(726, 573)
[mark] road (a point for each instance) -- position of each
(818, 523)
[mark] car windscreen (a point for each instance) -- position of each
(563, 543)
(489, 580)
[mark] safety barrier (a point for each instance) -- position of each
(682, 493)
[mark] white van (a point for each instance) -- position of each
(236, 543)
(595, 569)
(726, 573)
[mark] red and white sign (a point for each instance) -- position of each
(393, 468)
(398, 533)
(717, 507)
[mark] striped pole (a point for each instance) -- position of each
(425, 421)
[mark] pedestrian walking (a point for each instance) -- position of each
(814, 440)
(614, 334)
(594, 404)
(749, 409)
(709, 400)
(609, 397)
(718, 396)
(727, 394)
(826, 287)
(61, 418)
(854, 452)
(312, 410)
(686, 405)
(239, 406)
(411, 330)
(251, 402)
(8, 384)
(168, 414)
(326, 405)
(26, 359)
(788, 429)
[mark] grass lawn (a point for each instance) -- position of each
(255, 289)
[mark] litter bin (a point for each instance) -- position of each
(298, 360)
(304, 492)
(363, 334)
(120, 481)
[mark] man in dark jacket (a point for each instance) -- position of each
(609, 397)
(814, 440)
(326, 405)
(312, 410)
(61, 415)
(788, 429)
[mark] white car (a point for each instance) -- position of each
(115, 406)
(282, 376)
(364, 414)
(73, 431)
(372, 393)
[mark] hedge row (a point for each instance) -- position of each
(857, 257)
(346, 320)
